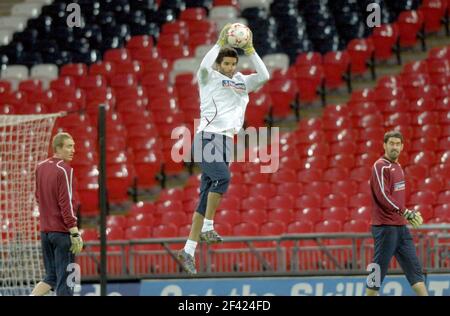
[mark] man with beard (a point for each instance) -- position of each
(389, 219)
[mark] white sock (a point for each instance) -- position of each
(208, 224)
(190, 247)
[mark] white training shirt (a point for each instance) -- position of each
(223, 100)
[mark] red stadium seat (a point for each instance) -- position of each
(237, 190)
(192, 14)
(312, 163)
(76, 71)
(140, 41)
(117, 55)
(309, 175)
(433, 12)
(256, 177)
(255, 215)
(356, 226)
(281, 214)
(424, 144)
(314, 150)
(360, 51)
(138, 232)
(319, 188)
(231, 217)
(424, 158)
(309, 80)
(328, 226)
(300, 227)
(254, 202)
(344, 147)
(281, 202)
(308, 59)
(263, 189)
(146, 219)
(409, 23)
(173, 217)
(308, 201)
(336, 65)
(167, 206)
(229, 202)
(423, 197)
(443, 211)
(185, 230)
(311, 214)
(360, 200)
(347, 187)
(284, 176)
(444, 157)
(344, 161)
(363, 95)
(444, 143)
(384, 38)
(361, 213)
(441, 170)
(424, 118)
(336, 213)
(335, 200)
(336, 110)
(173, 194)
(273, 228)
(116, 220)
(444, 197)
(361, 174)
(245, 229)
(284, 91)
(335, 174)
(433, 184)
(310, 124)
(165, 231)
(427, 131)
(105, 68)
(289, 189)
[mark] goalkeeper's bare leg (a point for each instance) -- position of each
(208, 234)
(420, 289)
(187, 254)
(41, 289)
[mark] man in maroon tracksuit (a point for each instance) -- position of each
(389, 219)
(60, 238)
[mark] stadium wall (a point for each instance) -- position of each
(437, 284)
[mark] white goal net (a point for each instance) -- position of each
(24, 141)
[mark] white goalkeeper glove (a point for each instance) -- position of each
(413, 217)
(76, 240)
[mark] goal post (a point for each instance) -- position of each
(24, 141)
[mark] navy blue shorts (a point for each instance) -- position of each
(396, 241)
(213, 154)
(57, 257)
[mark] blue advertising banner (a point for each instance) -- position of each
(113, 289)
(438, 285)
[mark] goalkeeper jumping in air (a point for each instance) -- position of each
(389, 219)
(60, 238)
(224, 98)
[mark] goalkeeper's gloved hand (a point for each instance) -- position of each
(248, 48)
(76, 240)
(223, 36)
(413, 217)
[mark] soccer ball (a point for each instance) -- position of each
(238, 35)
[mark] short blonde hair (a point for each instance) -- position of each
(58, 140)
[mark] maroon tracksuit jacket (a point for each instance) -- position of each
(387, 184)
(57, 206)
